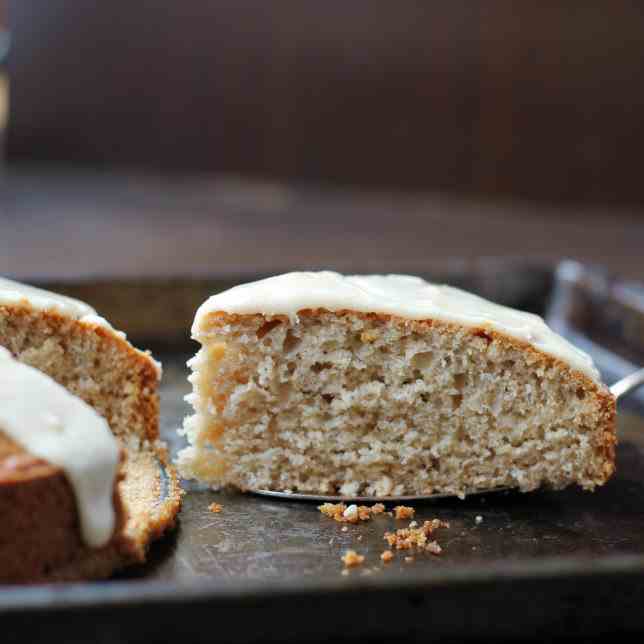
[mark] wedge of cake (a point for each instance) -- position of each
(66, 340)
(388, 385)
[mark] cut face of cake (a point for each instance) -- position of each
(98, 368)
(388, 385)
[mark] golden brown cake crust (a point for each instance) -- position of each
(151, 511)
(39, 532)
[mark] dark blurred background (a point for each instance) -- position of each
(542, 100)
(371, 134)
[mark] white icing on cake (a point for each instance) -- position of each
(401, 295)
(17, 293)
(51, 423)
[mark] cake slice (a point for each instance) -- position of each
(388, 385)
(66, 340)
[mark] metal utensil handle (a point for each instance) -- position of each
(628, 384)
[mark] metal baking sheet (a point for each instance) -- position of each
(536, 565)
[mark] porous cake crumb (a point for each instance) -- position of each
(387, 556)
(404, 512)
(216, 508)
(351, 558)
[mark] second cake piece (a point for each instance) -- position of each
(69, 342)
(388, 385)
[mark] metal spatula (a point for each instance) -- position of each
(619, 390)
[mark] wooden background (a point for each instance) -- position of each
(540, 100)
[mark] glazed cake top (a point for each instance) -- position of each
(404, 296)
(16, 293)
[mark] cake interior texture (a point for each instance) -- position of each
(95, 364)
(366, 404)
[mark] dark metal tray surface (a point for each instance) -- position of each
(537, 565)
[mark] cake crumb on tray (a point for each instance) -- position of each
(404, 512)
(408, 538)
(350, 514)
(351, 559)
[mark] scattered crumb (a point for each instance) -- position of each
(352, 513)
(215, 507)
(333, 510)
(351, 558)
(366, 572)
(331, 540)
(407, 538)
(404, 512)
(433, 548)
(345, 571)
(478, 519)
(414, 536)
